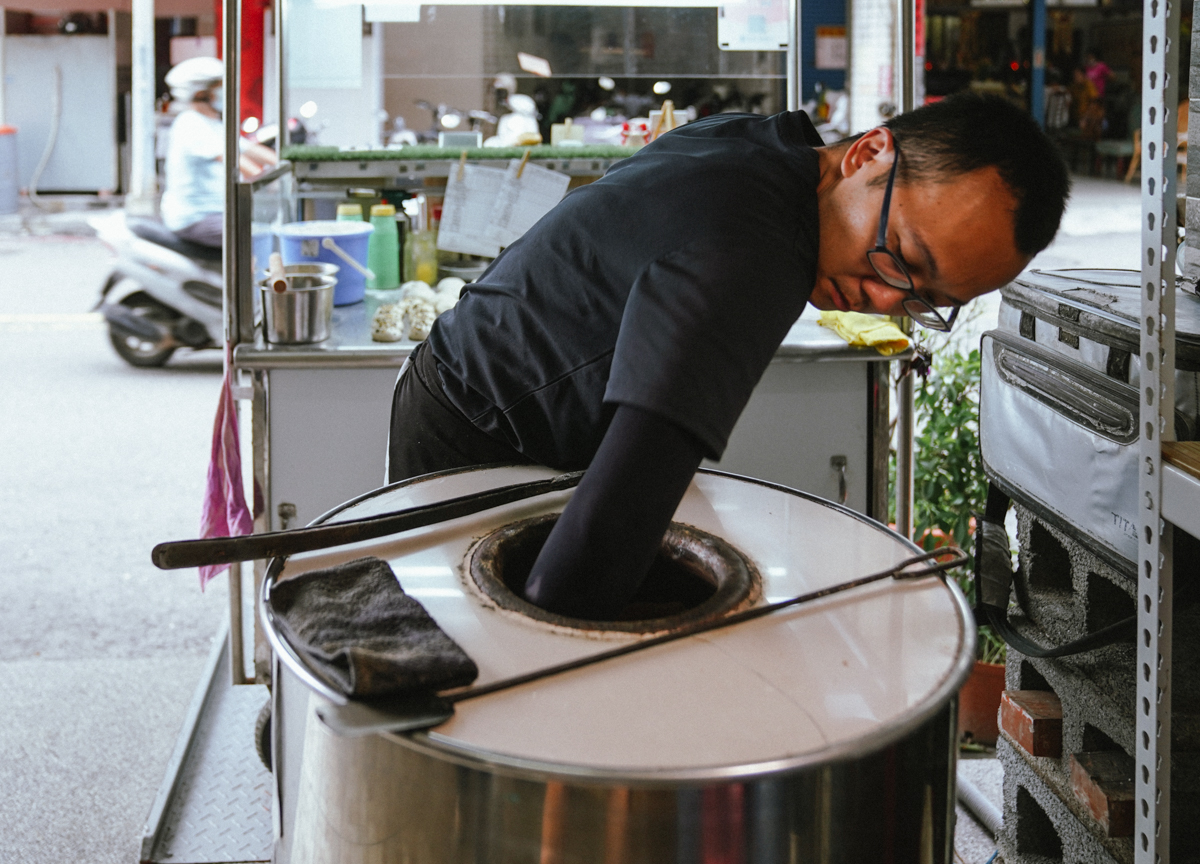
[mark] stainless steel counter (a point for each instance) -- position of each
(350, 345)
(817, 419)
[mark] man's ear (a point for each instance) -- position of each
(874, 147)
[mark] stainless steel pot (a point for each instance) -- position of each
(823, 733)
(300, 315)
(318, 268)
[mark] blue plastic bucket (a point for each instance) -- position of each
(302, 243)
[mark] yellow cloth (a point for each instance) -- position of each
(872, 331)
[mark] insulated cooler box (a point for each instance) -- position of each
(1058, 406)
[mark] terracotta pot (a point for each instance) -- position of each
(979, 703)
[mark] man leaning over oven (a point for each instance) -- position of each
(625, 332)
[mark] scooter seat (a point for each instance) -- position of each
(157, 233)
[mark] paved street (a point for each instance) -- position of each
(100, 652)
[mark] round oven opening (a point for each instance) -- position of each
(695, 576)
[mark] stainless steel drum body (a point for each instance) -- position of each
(823, 733)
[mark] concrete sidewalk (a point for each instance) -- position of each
(100, 652)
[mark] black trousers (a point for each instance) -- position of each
(429, 434)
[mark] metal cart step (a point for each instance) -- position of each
(214, 804)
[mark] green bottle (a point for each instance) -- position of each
(349, 213)
(383, 249)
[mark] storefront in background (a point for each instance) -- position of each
(1093, 59)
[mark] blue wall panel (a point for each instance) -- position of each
(814, 13)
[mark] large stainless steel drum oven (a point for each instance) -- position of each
(823, 733)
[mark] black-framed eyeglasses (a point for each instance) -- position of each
(892, 271)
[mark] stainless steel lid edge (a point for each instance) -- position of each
(429, 743)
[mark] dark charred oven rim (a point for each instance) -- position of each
(737, 578)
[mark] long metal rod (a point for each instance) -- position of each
(905, 389)
(899, 571)
(261, 461)
(879, 439)
(241, 290)
(906, 25)
(281, 140)
(277, 544)
(231, 18)
(905, 412)
(142, 172)
(1160, 88)
(237, 641)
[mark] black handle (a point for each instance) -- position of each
(177, 554)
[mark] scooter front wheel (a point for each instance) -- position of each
(134, 349)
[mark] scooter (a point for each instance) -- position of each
(163, 294)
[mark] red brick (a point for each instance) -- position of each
(1033, 719)
(1103, 782)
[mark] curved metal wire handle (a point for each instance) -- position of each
(900, 571)
(411, 712)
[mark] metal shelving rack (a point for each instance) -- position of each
(1160, 88)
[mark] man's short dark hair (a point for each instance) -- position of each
(969, 131)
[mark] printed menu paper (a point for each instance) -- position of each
(523, 200)
(467, 210)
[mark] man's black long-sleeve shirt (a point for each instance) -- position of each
(667, 285)
(656, 296)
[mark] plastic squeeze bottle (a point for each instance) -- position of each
(383, 249)
(349, 213)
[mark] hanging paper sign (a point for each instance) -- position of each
(753, 25)
(831, 47)
(527, 193)
(471, 193)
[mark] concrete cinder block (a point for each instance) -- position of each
(1103, 782)
(1092, 719)
(1041, 826)
(1062, 592)
(1033, 719)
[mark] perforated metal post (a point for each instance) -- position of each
(1160, 37)
(906, 388)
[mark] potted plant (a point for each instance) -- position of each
(950, 486)
(979, 699)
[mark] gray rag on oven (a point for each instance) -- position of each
(365, 635)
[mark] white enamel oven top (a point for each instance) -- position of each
(833, 679)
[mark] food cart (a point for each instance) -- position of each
(319, 413)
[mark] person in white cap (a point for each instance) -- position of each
(193, 202)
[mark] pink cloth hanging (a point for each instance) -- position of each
(225, 513)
